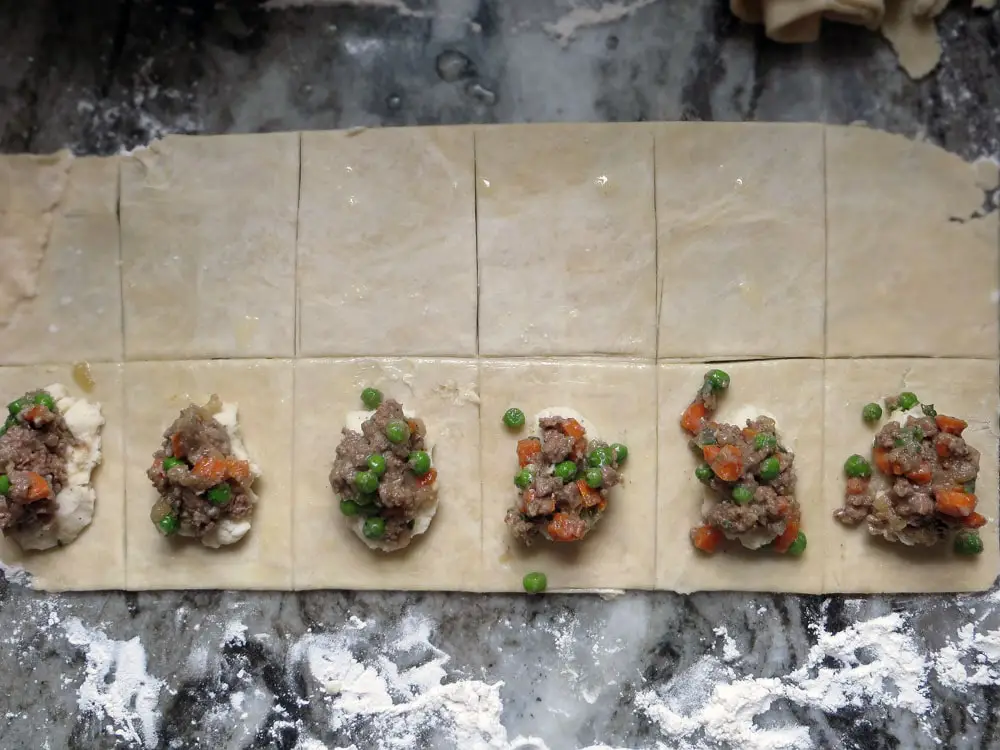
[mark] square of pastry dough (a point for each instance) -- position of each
(567, 246)
(445, 394)
(208, 259)
(901, 236)
(791, 392)
(387, 243)
(858, 562)
(740, 239)
(96, 559)
(155, 394)
(618, 399)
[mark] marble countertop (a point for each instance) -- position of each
(225, 670)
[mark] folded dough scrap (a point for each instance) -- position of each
(564, 479)
(750, 475)
(49, 447)
(204, 476)
(383, 475)
(923, 491)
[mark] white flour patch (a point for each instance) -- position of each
(15, 574)
(582, 16)
(730, 652)
(116, 687)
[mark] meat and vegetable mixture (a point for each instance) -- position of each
(750, 473)
(203, 477)
(564, 479)
(383, 476)
(925, 485)
(34, 442)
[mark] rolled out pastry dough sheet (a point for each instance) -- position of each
(445, 395)
(857, 562)
(615, 397)
(96, 559)
(155, 392)
(387, 232)
(791, 391)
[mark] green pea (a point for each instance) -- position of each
(168, 524)
(619, 451)
(907, 400)
(918, 434)
(857, 466)
(170, 462)
(4, 484)
(513, 418)
(524, 478)
(565, 470)
(769, 468)
(798, 546)
(765, 441)
(374, 527)
(970, 487)
(704, 473)
(376, 464)
(397, 431)
(45, 399)
(871, 412)
(349, 508)
(742, 495)
(16, 406)
(220, 494)
(371, 398)
(366, 481)
(600, 456)
(968, 543)
(420, 462)
(534, 583)
(899, 442)
(929, 410)
(717, 379)
(594, 478)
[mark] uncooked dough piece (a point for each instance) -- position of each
(446, 396)
(387, 243)
(857, 562)
(155, 393)
(566, 228)
(208, 247)
(910, 270)
(800, 20)
(909, 27)
(96, 559)
(791, 392)
(741, 239)
(620, 552)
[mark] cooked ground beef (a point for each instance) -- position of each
(559, 504)
(33, 448)
(198, 479)
(924, 487)
(401, 493)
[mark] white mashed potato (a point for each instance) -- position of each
(229, 531)
(75, 502)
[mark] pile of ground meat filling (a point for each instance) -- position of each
(750, 473)
(199, 480)
(563, 482)
(925, 485)
(33, 448)
(383, 477)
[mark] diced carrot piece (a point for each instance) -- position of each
(176, 448)
(573, 429)
(428, 478)
(881, 457)
(728, 464)
(591, 497)
(710, 452)
(921, 475)
(237, 469)
(785, 539)
(413, 426)
(526, 497)
(566, 528)
(38, 488)
(974, 520)
(954, 502)
(210, 467)
(941, 446)
(34, 413)
(749, 433)
(602, 505)
(527, 449)
(706, 538)
(694, 416)
(951, 425)
(856, 486)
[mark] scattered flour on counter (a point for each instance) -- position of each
(730, 651)
(116, 687)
